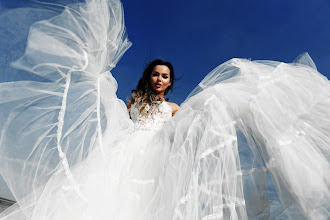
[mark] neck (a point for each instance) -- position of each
(161, 95)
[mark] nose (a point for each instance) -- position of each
(159, 78)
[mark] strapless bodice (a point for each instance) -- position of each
(156, 117)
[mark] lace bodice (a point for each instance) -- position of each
(153, 121)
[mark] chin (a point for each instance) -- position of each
(158, 91)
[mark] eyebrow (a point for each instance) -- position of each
(161, 73)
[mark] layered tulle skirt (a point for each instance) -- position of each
(250, 142)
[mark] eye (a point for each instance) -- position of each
(165, 76)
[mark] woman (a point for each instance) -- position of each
(251, 141)
(157, 81)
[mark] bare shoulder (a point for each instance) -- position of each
(174, 106)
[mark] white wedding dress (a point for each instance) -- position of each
(250, 142)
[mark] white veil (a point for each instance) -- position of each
(41, 133)
(278, 117)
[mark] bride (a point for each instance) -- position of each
(249, 142)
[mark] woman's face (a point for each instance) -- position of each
(160, 79)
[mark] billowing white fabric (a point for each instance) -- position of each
(251, 141)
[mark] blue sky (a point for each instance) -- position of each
(199, 35)
(196, 36)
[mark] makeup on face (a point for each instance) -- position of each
(160, 79)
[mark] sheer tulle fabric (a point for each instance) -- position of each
(251, 141)
(51, 126)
